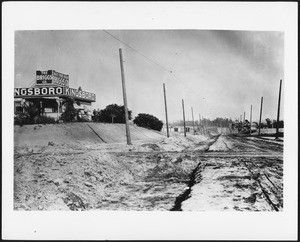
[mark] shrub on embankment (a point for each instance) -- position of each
(23, 119)
(148, 121)
(70, 112)
(112, 113)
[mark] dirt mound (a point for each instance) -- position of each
(111, 176)
(221, 144)
(87, 166)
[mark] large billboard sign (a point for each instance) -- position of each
(55, 91)
(52, 77)
(43, 77)
(60, 79)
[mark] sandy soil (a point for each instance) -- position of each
(197, 173)
(242, 183)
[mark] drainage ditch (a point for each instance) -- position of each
(195, 178)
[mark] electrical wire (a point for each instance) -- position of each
(149, 59)
(138, 52)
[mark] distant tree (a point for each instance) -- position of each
(113, 112)
(148, 121)
(280, 123)
(221, 122)
(32, 111)
(96, 115)
(269, 123)
(255, 124)
(263, 125)
(70, 112)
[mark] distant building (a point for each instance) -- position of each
(178, 128)
(49, 91)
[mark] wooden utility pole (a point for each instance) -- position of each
(278, 110)
(125, 98)
(244, 116)
(166, 111)
(200, 124)
(184, 128)
(261, 105)
(250, 118)
(193, 120)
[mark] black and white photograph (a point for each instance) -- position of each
(196, 136)
(157, 120)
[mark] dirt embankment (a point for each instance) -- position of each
(55, 170)
(79, 134)
(59, 171)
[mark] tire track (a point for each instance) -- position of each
(196, 176)
(257, 176)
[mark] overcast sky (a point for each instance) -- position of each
(218, 73)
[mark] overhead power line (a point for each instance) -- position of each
(149, 59)
(138, 52)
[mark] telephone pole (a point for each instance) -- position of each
(261, 105)
(183, 118)
(125, 98)
(166, 110)
(193, 120)
(244, 116)
(278, 110)
(250, 118)
(203, 124)
(200, 124)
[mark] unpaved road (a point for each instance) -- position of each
(248, 177)
(196, 173)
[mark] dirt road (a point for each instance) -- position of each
(247, 176)
(196, 173)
